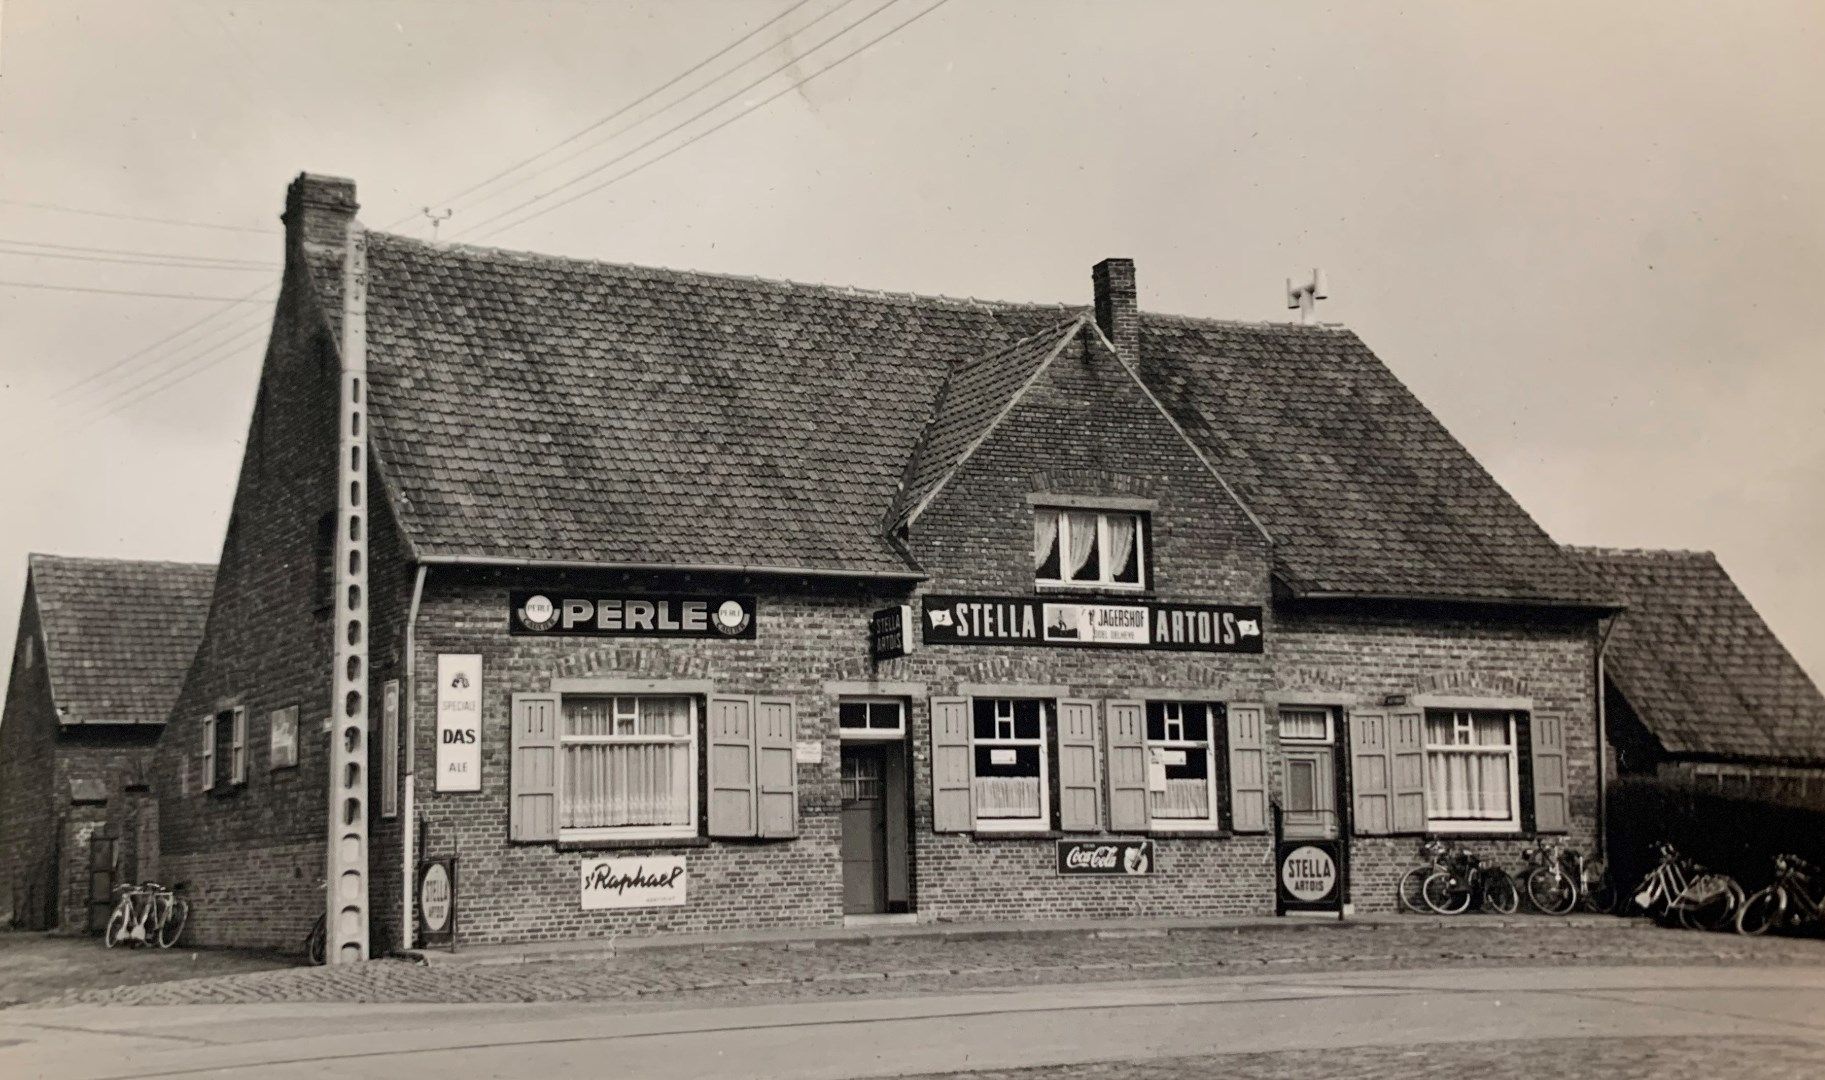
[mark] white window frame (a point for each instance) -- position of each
(632, 832)
(209, 721)
(1043, 822)
(1509, 824)
(867, 733)
(289, 759)
(237, 747)
(1104, 580)
(1330, 725)
(1213, 822)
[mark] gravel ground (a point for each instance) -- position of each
(924, 965)
(1612, 1059)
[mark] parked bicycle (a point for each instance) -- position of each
(1408, 895)
(1680, 890)
(1791, 903)
(144, 914)
(1468, 880)
(315, 942)
(1559, 879)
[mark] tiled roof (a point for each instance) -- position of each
(1698, 664)
(529, 407)
(975, 397)
(119, 635)
(1363, 490)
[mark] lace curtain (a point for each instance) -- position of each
(1045, 537)
(1083, 541)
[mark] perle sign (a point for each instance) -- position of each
(459, 722)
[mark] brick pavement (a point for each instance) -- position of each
(1612, 1059)
(919, 965)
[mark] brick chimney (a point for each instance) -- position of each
(1117, 312)
(318, 210)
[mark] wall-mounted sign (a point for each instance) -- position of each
(808, 752)
(890, 632)
(633, 883)
(1308, 875)
(1137, 624)
(437, 901)
(630, 615)
(459, 722)
(1132, 858)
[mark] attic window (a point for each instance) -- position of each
(28, 653)
(1088, 548)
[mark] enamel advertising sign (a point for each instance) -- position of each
(1136, 624)
(459, 722)
(1131, 858)
(633, 883)
(557, 614)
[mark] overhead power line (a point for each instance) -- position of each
(639, 101)
(118, 261)
(130, 292)
(149, 219)
(221, 351)
(794, 85)
(179, 332)
(171, 256)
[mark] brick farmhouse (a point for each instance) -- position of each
(672, 602)
(101, 651)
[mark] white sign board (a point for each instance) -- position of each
(633, 883)
(808, 751)
(459, 722)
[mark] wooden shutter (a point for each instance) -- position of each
(1247, 767)
(953, 768)
(1371, 766)
(733, 797)
(1125, 724)
(237, 758)
(1407, 749)
(534, 809)
(209, 752)
(1077, 787)
(1552, 808)
(775, 771)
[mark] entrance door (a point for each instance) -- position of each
(102, 863)
(1311, 793)
(865, 828)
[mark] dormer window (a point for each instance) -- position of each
(1102, 549)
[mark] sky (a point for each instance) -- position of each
(1589, 237)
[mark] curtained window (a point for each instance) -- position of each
(1181, 779)
(1471, 771)
(1009, 752)
(1099, 548)
(629, 763)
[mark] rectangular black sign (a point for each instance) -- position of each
(630, 615)
(890, 632)
(1092, 623)
(1133, 858)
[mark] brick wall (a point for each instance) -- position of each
(27, 825)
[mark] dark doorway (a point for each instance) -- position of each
(876, 844)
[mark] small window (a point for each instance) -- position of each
(862, 777)
(237, 757)
(225, 750)
(389, 749)
(871, 718)
(1472, 778)
(1181, 777)
(208, 755)
(1305, 724)
(629, 767)
(284, 738)
(1008, 737)
(28, 652)
(1088, 548)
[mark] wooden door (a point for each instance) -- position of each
(864, 846)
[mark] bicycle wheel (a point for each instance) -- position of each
(116, 928)
(1551, 891)
(1761, 912)
(1445, 894)
(1407, 896)
(177, 910)
(1600, 893)
(314, 944)
(1499, 892)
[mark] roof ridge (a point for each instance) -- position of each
(1669, 553)
(1056, 329)
(109, 560)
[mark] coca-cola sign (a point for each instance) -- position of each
(1130, 858)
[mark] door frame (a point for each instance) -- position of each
(906, 808)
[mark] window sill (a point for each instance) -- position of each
(1190, 834)
(1092, 590)
(1026, 834)
(630, 844)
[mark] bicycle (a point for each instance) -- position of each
(1408, 894)
(1680, 890)
(316, 942)
(146, 913)
(1551, 888)
(1468, 879)
(1789, 903)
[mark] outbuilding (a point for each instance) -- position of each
(568, 599)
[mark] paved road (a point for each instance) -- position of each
(1775, 1016)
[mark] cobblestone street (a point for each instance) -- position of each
(933, 964)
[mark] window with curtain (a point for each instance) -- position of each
(630, 765)
(1009, 751)
(1181, 779)
(1471, 770)
(1100, 548)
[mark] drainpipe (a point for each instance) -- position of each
(408, 808)
(1603, 740)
